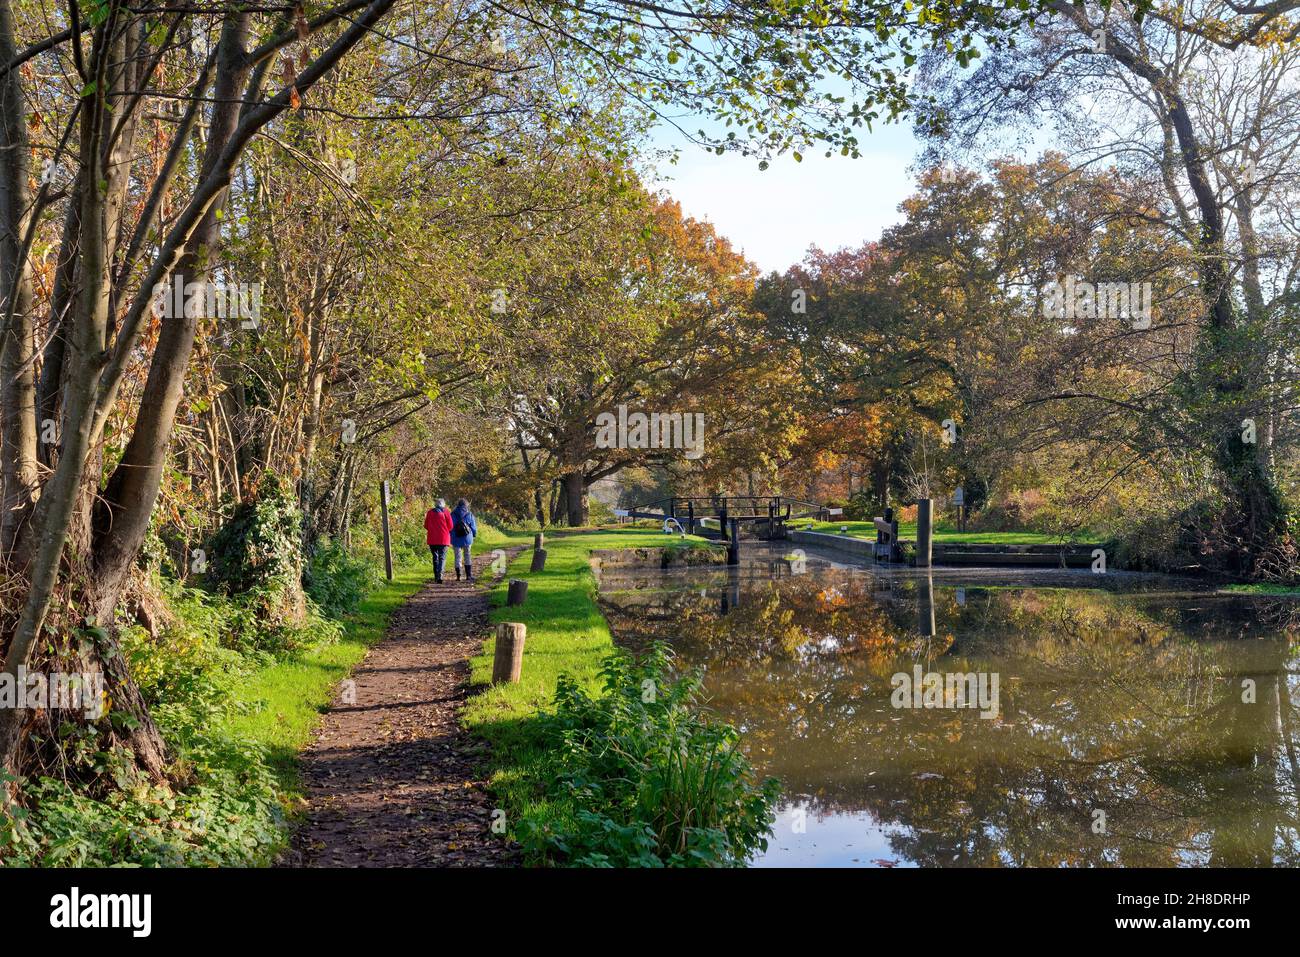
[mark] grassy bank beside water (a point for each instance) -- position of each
(588, 768)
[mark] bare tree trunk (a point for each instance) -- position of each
(122, 518)
(18, 474)
(87, 344)
(61, 301)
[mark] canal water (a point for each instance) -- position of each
(981, 717)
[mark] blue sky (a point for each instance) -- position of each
(774, 215)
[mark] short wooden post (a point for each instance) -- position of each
(733, 547)
(539, 541)
(924, 531)
(690, 516)
(388, 541)
(518, 592)
(539, 560)
(508, 661)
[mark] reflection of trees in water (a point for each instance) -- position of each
(1106, 704)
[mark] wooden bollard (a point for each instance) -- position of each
(539, 560)
(539, 541)
(518, 592)
(924, 531)
(508, 662)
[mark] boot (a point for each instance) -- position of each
(469, 571)
(457, 573)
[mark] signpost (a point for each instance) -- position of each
(388, 542)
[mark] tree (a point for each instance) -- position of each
(1194, 104)
(131, 213)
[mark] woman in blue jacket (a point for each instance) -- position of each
(463, 530)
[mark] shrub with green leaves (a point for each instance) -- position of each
(336, 581)
(652, 779)
(260, 546)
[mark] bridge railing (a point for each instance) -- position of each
(747, 507)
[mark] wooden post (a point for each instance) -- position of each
(925, 626)
(518, 592)
(539, 560)
(388, 541)
(924, 531)
(508, 661)
(733, 547)
(539, 541)
(690, 516)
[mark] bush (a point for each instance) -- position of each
(228, 815)
(1015, 511)
(256, 563)
(652, 781)
(336, 581)
(223, 808)
(260, 546)
(1203, 537)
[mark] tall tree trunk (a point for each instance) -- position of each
(87, 344)
(61, 301)
(1225, 362)
(122, 518)
(18, 473)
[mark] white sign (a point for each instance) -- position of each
(959, 496)
(835, 511)
(621, 513)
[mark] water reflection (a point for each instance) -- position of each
(1136, 726)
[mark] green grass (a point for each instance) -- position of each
(1262, 588)
(566, 633)
(943, 532)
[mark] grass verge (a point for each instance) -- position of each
(943, 532)
(567, 634)
(1262, 588)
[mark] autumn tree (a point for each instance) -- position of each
(1195, 106)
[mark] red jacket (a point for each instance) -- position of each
(438, 525)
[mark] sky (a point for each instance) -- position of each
(774, 215)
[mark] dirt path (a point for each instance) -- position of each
(391, 780)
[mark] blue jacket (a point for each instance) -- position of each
(459, 514)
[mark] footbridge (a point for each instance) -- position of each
(725, 516)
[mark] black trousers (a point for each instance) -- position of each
(439, 560)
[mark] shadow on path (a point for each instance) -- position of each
(391, 779)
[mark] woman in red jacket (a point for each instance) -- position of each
(437, 527)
